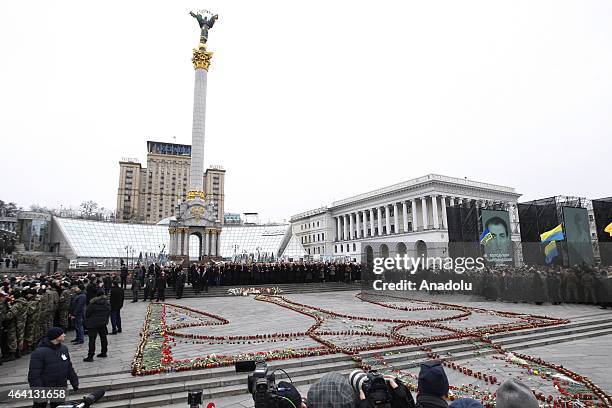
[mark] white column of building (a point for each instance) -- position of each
(187, 243)
(351, 226)
(424, 212)
(444, 220)
(213, 243)
(338, 229)
(365, 223)
(434, 209)
(405, 215)
(357, 225)
(396, 217)
(345, 230)
(205, 243)
(387, 219)
(415, 219)
(218, 246)
(452, 201)
(372, 226)
(379, 214)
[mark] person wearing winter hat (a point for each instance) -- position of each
(466, 403)
(432, 388)
(50, 364)
(333, 390)
(514, 394)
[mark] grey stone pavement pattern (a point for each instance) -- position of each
(590, 357)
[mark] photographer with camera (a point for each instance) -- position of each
(376, 390)
(261, 383)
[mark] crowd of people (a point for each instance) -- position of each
(542, 284)
(8, 262)
(432, 391)
(31, 305)
(154, 279)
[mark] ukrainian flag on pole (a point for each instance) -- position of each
(555, 234)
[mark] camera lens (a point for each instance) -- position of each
(357, 378)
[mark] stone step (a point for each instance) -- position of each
(578, 323)
(553, 334)
(222, 382)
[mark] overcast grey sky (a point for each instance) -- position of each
(309, 102)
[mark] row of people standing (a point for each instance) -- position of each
(30, 306)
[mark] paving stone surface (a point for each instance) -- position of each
(247, 316)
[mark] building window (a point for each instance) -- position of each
(354, 247)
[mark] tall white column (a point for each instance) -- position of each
(357, 225)
(396, 217)
(452, 201)
(196, 175)
(415, 219)
(187, 243)
(434, 209)
(365, 223)
(345, 230)
(215, 238)
(387, 219)
(424, 212)
(351, 226)
(338, 229)
(372, 227)
(405, 215)
(205, 242)
(444, 219)
(379, 214)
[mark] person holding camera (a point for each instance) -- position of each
(376, 390)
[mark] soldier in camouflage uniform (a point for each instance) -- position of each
(64, 306)
(15, 325)
(3, 312)
(45, 310)
(54, 298)
(33, 321)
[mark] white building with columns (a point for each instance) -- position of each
(404, 215)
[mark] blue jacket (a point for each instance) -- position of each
(77, 305)
(50, 366)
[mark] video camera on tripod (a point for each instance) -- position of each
(261, 383)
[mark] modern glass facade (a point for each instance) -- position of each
(96, 240)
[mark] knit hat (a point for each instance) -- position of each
(432, 379)
(466, 403)
(514, 394)
(332, 391)
(54, 333)
(290, 396)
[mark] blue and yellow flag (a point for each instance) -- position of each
(550, 250)
(555, 234)
(485, 236)
(608, 229)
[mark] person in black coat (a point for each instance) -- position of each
(92, 288)
(180, 283)
(77, 312)
(50, 365)
(124, 276)
(161, 287)
(116, 303)
(96, 319)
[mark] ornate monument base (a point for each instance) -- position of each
(195, 218)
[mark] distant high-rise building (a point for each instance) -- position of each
(151, 194)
